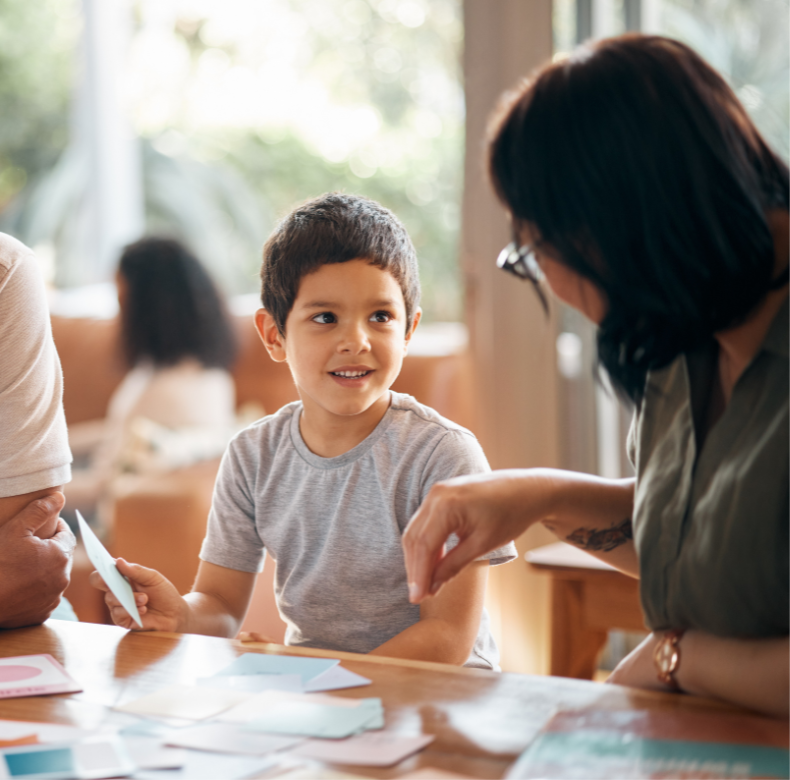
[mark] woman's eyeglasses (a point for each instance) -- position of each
(521, 262)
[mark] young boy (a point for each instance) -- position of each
(327, 485)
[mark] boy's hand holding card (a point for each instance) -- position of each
(137, 597)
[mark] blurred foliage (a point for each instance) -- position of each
(36, 56)
(390, 68)
(376, 108)
(747, 41)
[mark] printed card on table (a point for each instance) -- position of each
(34, 675)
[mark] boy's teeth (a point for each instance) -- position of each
(349, 373)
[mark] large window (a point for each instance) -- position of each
(241, 108)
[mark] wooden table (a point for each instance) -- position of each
(589, 598)
(481, 720)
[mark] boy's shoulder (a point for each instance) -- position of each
(268, 431)
(409, 414)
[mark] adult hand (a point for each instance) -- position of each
(485, 511)
(34, 572)
(159, 603)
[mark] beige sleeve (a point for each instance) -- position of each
(34, 450)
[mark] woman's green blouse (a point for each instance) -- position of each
(711, 525)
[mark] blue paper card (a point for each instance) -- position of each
(323, 721)
(256, 663)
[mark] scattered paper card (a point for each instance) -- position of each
(262, 704)
(11, 730)
(150, 753)
(106, 567)
(34, 675)
(210, 766)
(255, 683)
(257, 663)
(226, 738)
(335, 679)
(184, 701)
(310, 719)
(380, 749)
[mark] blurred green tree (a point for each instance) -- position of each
(37, 43)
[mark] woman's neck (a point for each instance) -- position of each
(739, 345)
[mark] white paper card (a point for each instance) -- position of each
(226, 738)
(334, 679)
(184, 701)
(106, 567)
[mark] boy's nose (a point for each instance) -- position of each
(354, 339)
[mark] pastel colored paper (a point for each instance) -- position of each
(211, 766)
(257, 663)
(335, 679)
(309, 719)
(184, 701)
(261, 704)
(255, 683)
(226, 738)
(34, 675)
(369, 749)
(105, 565)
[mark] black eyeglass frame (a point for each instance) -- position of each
(521, 262)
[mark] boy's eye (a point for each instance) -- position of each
(381, 316)
(324, 318)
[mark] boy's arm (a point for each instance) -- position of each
(448, 624)
(216, 606)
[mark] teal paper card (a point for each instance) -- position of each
(321, 721)
(256, 663)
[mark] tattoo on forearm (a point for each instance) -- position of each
(602, 540)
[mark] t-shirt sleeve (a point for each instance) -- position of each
(458, 453)
(232, 538)
(34, 449)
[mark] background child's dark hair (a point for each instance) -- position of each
(635, 160)
(171, 307)
(335, 228)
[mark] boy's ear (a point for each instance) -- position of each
(414, 322)
(270, 335)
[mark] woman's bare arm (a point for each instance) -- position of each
(752, 673)
(487, 511)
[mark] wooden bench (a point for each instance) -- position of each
(588, 599)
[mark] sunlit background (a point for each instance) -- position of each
(210, 119)
(240, 110)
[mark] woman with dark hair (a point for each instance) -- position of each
(641, 192)
(176, 404)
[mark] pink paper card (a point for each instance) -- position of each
(368, 749)
(34, 675)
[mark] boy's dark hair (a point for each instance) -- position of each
(172, 309)
(637, 162)
(335, 228)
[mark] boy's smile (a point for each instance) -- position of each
(345, 339)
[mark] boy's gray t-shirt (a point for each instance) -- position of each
(334, 525)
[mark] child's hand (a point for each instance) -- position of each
(160, 605)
